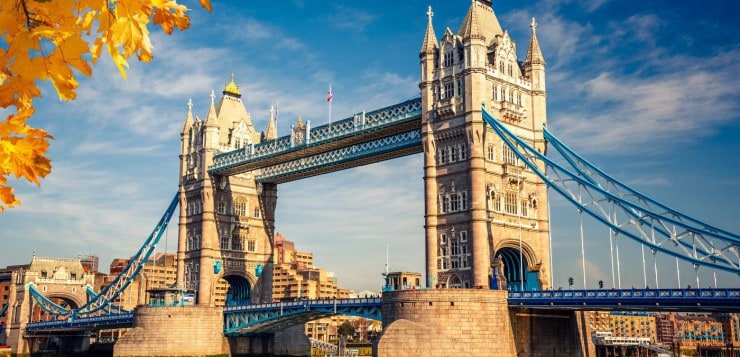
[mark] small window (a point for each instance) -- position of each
(448, 59)
(491, 152)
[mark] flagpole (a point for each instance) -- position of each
(329, 98)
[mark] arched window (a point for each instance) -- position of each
(240, 207)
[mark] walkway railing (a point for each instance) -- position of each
(643, 299)
(84, 323)
(360, 123)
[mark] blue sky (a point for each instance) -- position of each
(646, 90)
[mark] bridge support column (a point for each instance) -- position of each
(289, 342)
(548, 333)
(174, 331)
(445, 322)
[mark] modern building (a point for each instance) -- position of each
(295, 277)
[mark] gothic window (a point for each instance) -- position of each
(449, 89)
(256, 212)
(443, 155)
(453, 153)
(221, 206)
(251, 245)
(455, 247)
(455, 263)
(236, 241)
(509, 156)
(511, 71)
(511, 97)
(496, 202)
(240, 207)
(454, 204)
(443, 239)
(510, 202)
(445, 203)
(491, 152)
(437, 93)
(459, 86)
(463, 198)
(463, 238)
(463, 152)
(448, 59)
(501, 67)
(224, 240)
(525, 208)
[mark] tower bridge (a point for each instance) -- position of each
(480, 125)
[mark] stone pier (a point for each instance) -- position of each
(445, 322)
(174, 331)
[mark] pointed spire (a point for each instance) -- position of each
(534, 53)
(211, 116)
(271, 131)
(480, 21)
(430, 38)
(189, 116)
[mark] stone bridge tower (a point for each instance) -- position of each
(63, 281)
(226, 224)
(481, 202)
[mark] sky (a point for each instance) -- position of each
(648, 91)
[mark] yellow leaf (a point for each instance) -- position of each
(206, 4)
(119, 60)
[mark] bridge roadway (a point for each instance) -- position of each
(382, 134)
(256, 318)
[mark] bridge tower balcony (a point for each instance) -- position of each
(448, 107)
(510, 112)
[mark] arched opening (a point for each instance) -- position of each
(39, 314)
(454, 282)
(518, 277)
(239, 291)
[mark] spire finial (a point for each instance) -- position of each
(430, 13)
(213, 96)
(533, 25)
(190, 105)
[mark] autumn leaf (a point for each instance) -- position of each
(74, 35)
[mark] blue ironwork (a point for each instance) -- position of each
(625, 210)
(83, 323)
(272, 317)
(121, 281)
(313, 165)
(109, 308)
(361, 125)
(634, 299)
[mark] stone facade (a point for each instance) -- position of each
(226, 223)
(174, 331)
(481, 201)
(445, 322)
(60, 280)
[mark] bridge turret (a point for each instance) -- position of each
(271, 131)
(534, 67)
(479, 200)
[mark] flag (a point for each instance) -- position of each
(329, 96)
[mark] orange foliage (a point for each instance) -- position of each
(53, 40)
